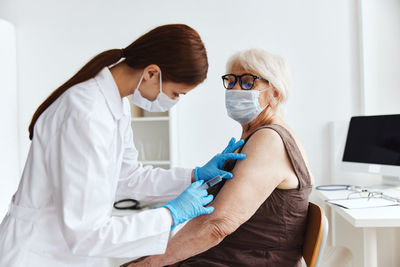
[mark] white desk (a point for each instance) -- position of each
(368, 219)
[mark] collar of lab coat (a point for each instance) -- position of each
(109, 88)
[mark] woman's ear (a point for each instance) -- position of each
(151, 72)
(275, 97)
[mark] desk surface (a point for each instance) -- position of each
(370, 217)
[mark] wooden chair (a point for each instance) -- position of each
(316, 235)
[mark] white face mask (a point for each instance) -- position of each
(243, 106)
(160, 104)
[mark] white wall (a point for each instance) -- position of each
(381, 55)
(379, 42)
(316, 37)
(319, 38)
(8, 116)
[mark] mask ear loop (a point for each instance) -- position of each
(262, 108)
(141, 78)
(160, 83)
(271, 95)
(140, 82)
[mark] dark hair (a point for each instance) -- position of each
(176, 48)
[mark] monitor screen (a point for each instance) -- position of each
(373, 140)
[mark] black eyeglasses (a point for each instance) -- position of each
(246, 80)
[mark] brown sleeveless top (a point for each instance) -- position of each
(274, 235)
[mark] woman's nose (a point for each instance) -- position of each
(236, 87)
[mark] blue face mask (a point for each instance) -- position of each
(243, 106)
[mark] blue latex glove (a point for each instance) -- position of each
(213, 167)
(190, 203)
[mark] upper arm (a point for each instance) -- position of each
(254, 178)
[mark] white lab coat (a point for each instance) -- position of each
(82, 158)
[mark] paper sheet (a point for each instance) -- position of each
(361, 203)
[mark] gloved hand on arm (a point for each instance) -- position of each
(213, 167)
(190, 203)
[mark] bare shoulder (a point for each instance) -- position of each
(268, 147)
(254, 178)
(266, 157)
(265, 140)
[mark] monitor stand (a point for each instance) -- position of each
(390, 186)
(391, 180)
(388, 182)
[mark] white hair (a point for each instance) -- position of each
(266, 65)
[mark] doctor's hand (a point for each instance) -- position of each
(213, 167)
(189, 204)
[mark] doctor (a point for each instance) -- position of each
(82, 157)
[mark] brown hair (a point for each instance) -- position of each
(176, 48)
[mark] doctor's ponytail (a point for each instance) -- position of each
(88, 71)
(176, 48)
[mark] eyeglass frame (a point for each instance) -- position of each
(365, 193)
(239, 77)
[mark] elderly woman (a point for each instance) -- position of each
(260, 215)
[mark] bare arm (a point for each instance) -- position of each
(254, 179)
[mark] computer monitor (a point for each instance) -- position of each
(373, 146)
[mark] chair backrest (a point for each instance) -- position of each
(316, 235)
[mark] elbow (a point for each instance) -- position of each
(77, 242)
(221, 228)
(82, 247)
(88, 239)
(74, 244)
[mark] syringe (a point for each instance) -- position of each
(212, 181)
